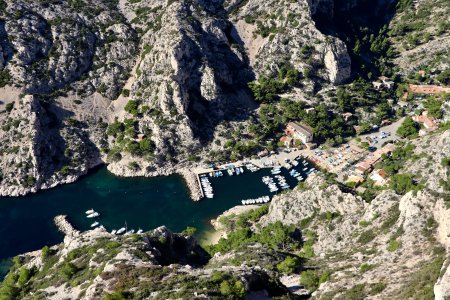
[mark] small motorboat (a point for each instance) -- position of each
(113, 231)
(121, 230)
(140, 231)
(93, 215)
(129, 232)
(90, 211)
(95, 224)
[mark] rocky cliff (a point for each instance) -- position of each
(170, 77)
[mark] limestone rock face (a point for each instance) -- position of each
(58, 45)
(33, 155)
(442, 286)
(337, 61)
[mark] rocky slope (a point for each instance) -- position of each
(39, 150)
(420, 34)
(184, 65)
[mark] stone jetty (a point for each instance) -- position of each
(65, 227)
(192, 184)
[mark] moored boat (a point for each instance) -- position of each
(93, 215)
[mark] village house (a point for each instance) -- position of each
(347, 116)
(379, 176)
(429, 123)
(308, 110)
(300, 132)
(383, 83)
(140, 136)
(366, 165)
(355, 178)
(363, 167)
(287, 141)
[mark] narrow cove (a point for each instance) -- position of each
(146, 203)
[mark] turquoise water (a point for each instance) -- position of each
(27, 222)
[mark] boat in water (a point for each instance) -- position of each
(113, 231)
(140, 231)
(90, 211)
(121, 230)
(93, 215)
(131, 231)
(95, 224)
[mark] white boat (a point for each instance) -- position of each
(113, 231)
(90, 211)
(102, 227)
(129, 232)
(230, 172)
(140, 231)
(121, 230)
(94, 224)
(93, 215)
(241, 169)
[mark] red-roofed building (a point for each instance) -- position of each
(300, 131)
(286, 140)
(428, 89)
(428, 122)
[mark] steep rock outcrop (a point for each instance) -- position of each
(58, 45)
(41, 149)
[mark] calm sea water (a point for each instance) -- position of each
(27, 222)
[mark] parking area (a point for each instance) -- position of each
(384, 135)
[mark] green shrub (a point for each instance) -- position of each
(125, 92)
(69, 270)
(403, 183)
(394, 245)
(46, 252)
(408, 129)
(190, 231)
(9, 106)
(367, 236)
(289, 265)
(366, 267)
(132, 107)
(376, 288)
(309, 280)
(5, 77)
(234, 290)
(24, 276)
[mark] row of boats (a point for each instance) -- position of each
(216, 174)
(231, 170)
(252, 168)
(260, 200)
(294, 173)
(93, 214)
(238, 171)
(206, 186)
